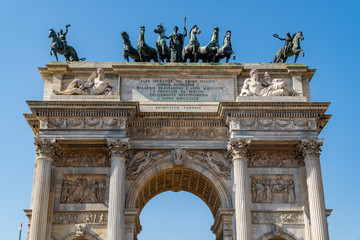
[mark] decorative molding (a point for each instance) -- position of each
(272, 188)
(310, 148)
(239, 148)
(179, 132)
(178, 155)
(83, 123)
(142, 160)
(118, 147)
(283, 159)
(83, 159)
(273, 124)
(89, 188)
(282, 217)
(94, 217)
(47, 148)
(214, 160)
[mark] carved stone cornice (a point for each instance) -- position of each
(118, 147)
(47, 148)
(239, 148)
(310, 148)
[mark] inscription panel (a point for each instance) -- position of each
(179, 90)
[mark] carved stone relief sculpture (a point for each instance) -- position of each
(80, 217)
(274, 159)
(83, 189)
(286, 217)
(178, 155)
(83, 159)
(84, 123)
(80, 229)
(214, 160)
(141, 160)
(272, 189)
(96, 84)
(253, 86)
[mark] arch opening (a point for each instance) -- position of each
(176, 180)
(176, 215)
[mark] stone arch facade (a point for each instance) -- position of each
(190, 177)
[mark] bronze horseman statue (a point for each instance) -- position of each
(59, 45)
(291, 47)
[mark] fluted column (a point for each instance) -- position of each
(46, 151)
(310, 148)
(118, 149)
(238, 149)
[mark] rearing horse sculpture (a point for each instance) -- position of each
(129, 50)
(208, 52)
(56, 47)
(226, 49)
(191, 50)
(146, 53)
(162, 48)
(295, 50)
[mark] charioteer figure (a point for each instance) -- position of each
(176, 44)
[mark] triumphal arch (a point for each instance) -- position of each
(243, 137)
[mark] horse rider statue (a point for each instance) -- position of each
(62, 37)
(288, 42)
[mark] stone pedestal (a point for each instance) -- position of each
(46, 150)
(310, 149)
(116, 222)
(239, 150)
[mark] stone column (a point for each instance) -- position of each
(118, 149)
(238, 149)
(310, 149)
(46, 151)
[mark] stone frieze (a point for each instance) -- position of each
(80, 217)
(83, 159)
(274, 159)
(273, 124)
(83, 123)
(284, 217)
(178, 133)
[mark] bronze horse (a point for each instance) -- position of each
(295, 49)
(208, 52)
(226, 50)
(162, 49)
(191, 50)
(56, 47)
(146, 53)
(129, 50)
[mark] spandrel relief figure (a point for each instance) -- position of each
(141, 160)
(254, 86)
(95, 85)
(214, 160)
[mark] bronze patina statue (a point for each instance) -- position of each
(146, 53)
(226, 49)
(208, 52)
(191, 50)
(129, 50)
(291, 47)
(176, 43)
(59, 45)
(163, 50)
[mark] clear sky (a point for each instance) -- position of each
(331, 30)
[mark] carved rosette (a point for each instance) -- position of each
(310, 148)
(47, 148)
(118, 148)
(239, 148)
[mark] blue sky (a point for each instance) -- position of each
(331, 30)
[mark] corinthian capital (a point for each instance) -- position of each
(118, 147)
(239, 148)
(48, 148)
(310, 148)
